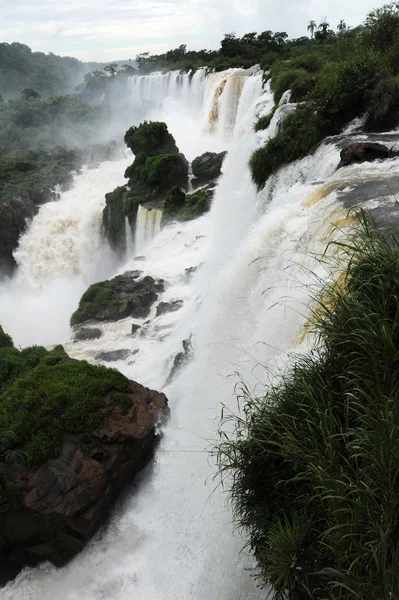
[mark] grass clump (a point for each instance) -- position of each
(315, 461)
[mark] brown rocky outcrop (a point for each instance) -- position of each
(64, 500)
(364, 152)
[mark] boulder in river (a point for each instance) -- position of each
(207, 167)
(364, 152)
(113, 355)
(87, 333)
(167, 307)
(123, 296)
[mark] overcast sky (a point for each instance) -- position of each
(105, 30)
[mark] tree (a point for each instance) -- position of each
(341, 27)
(111, 69)
(324, 32)
(312, 28)
(29, 94)
(230, 45)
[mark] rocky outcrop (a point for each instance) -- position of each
(167, 307)
(126, 295)
(207, 167)
(63, 501)
(87, 333)
(114, 355)
(16, 212)
(364, 152)
(181, 359)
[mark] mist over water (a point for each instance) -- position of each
(254, 257)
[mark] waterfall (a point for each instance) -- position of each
(255, 258)
(148, 225)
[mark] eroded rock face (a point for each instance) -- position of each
(64, 500)
(364, 152)
(207, 167)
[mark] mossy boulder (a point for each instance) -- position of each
(121, 205)
(72, 436)
(150, 139)
(364, 152)
(124, 296)
(165, 171)
(207, 167)
(185, 207)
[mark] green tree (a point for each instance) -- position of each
(341, 27)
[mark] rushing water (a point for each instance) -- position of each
(243, 272)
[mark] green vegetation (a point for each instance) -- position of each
(185, 207)
(264, 122)
(157, 168)
(339, 77)
(150, 139)
(300, 132)
(21, 69)
(315, 461)
(97, 297)
(166, 170)
(42, 397)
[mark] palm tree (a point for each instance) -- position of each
(312, 28)
(341, 26)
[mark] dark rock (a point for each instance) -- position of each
(121, 297)
(16, 212)
(364, 152)
(43, 196)
(87, 333)
(181, 359)
(113, 355)
(190, 272)
(135, 328)
(168, 307)
(64, 500)
(207, 167)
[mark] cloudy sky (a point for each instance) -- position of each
(119, 29)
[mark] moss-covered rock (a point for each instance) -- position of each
(150, 139)
(165, 171)
(179, 206)
(207, 167)
(72, 435)
(123, 296)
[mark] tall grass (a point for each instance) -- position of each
(314, 463)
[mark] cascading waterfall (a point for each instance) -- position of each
(255, 258)
(148, 225)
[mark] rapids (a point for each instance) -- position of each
(254, 258)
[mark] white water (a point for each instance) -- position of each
(173, 539)
(148, 225)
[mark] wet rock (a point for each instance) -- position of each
(121, 297)
(135, 328)
(113, 355)
(190, 272)
(44, 195)
(181, 359)
(207, 167)
(64, 500)
(87, 333)
(168, 307)
(364, 152)
(16, 212)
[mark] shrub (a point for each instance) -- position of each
(299, 133)
(383, 106)
(284, 80)
(263, 122)
(341, 91)
(314, 462)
